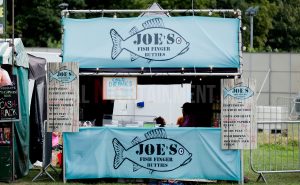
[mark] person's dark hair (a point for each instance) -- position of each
(186, 107)
(161, 121)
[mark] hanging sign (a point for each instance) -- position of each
(160, 153)
(119, 88)
(9, 101)
(238, 114)
(152, 42)
(63, 97)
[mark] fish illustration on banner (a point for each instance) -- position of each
(155, 153)
(63, 75)
(154, 42)
(240, 92)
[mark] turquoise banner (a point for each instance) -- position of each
(157, 42)
(175, 153)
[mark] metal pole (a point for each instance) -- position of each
(251, 31)
(263, 84)
(62, 36)
(12, 69)
(64, 162)
(5, 19)
(240, 42)
(13, 150)
(64, 14)
(242, 167)
(13, 33)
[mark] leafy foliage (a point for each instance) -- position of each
(276, 25)
(38, 22)
(285, 34)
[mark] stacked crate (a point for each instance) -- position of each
(271, 118)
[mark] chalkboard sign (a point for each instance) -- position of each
(9, 101)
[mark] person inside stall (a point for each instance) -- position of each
(195, 115)
(180, 121)
(160, 121)
(188, 116)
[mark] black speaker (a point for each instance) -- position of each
(297, 105)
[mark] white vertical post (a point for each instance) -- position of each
(64, 162)
(13, 150)
(242, 167)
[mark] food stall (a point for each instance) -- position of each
(117, 58)
(14, 113)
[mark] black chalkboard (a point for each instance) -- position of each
(9, 101)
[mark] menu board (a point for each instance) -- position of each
(238, 114)
(9, 101)
(63, 97)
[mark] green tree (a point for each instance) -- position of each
(275, 25)
(38, 22)
(263, 21)
(285, 34)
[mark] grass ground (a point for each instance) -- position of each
(274, 179)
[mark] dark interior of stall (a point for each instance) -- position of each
(205, 94)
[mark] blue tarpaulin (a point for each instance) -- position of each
(156, 42)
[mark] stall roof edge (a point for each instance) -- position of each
(161, 71)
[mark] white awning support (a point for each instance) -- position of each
(236, 12)
(158, 74)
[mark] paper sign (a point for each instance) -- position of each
(119, 88)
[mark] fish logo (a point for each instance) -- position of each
(154, 42)
(63, 75)
(155, 153)
(241, 92)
